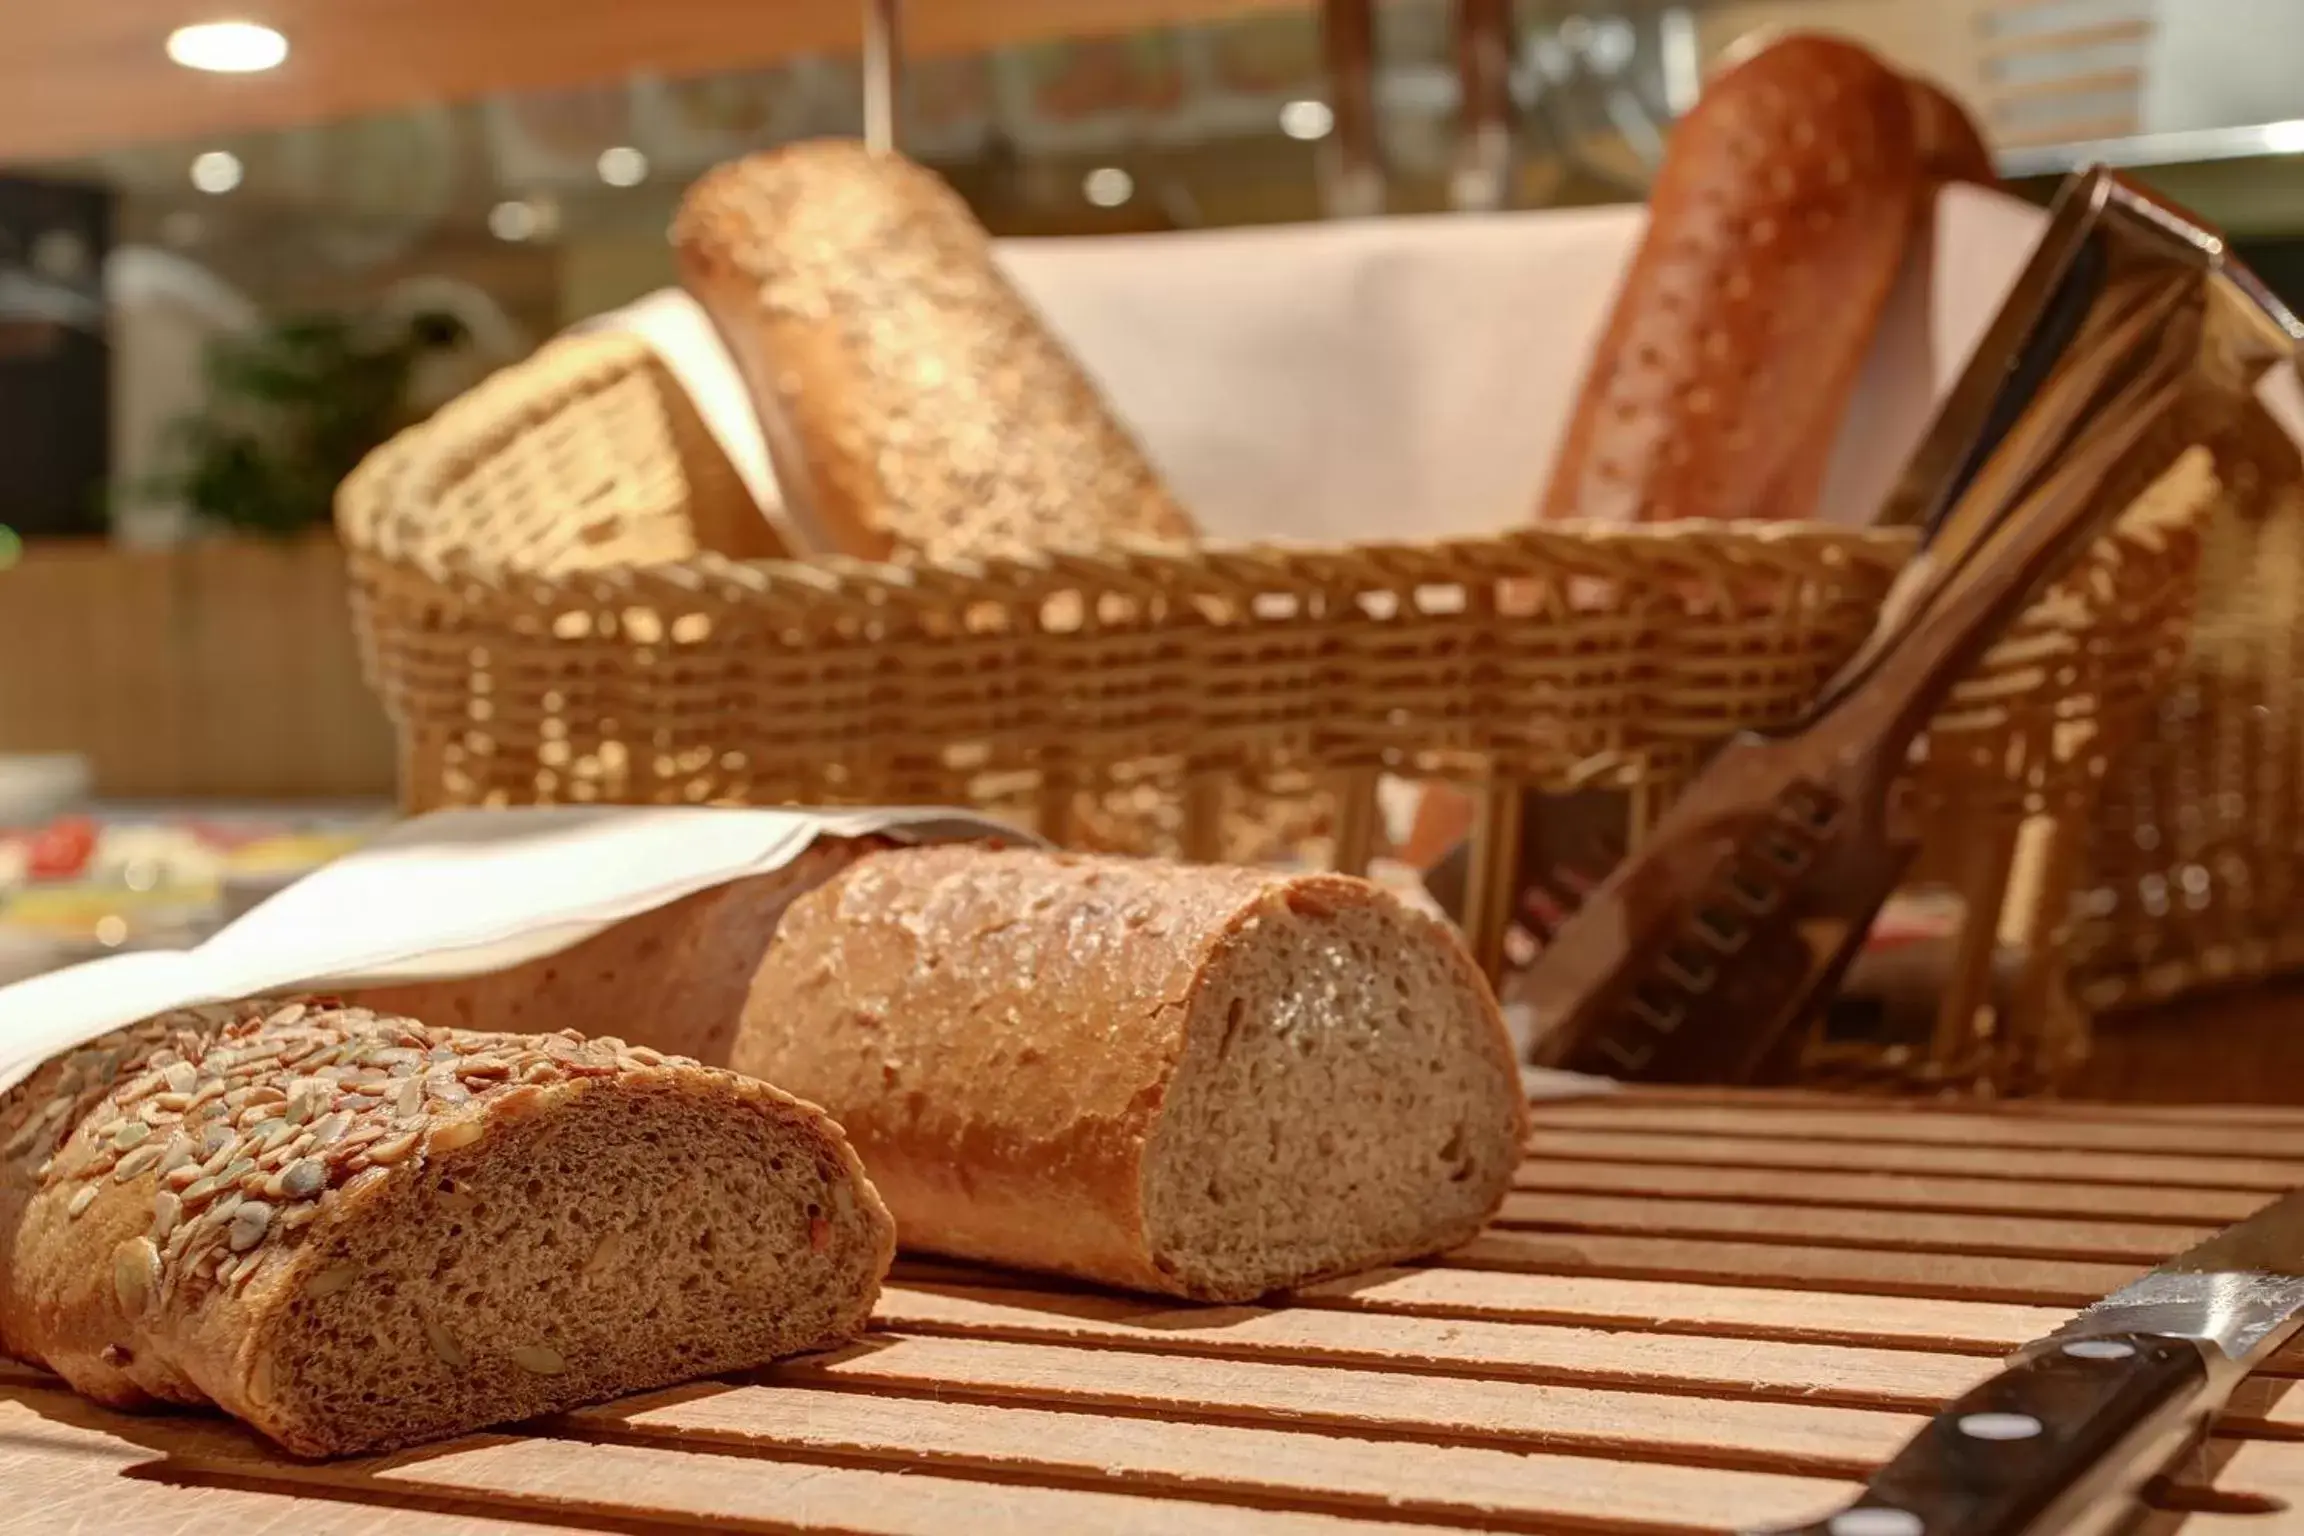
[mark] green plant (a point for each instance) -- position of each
(290, 410)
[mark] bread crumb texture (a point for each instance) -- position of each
(1344, 1098)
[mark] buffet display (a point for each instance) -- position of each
(562, 593)
(603, 1077)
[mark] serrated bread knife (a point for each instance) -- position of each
(2062, 1442)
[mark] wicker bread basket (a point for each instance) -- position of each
(2194, 856)
(547, 611)
(545, 605)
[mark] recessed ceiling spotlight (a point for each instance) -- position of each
(623, 166)
(1307, 119)
(1108, 186)
(513, 220)
(216, 171)
(228, 47)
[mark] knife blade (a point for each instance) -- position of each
(2064, 1439)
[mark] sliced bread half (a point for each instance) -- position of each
(356, 1231)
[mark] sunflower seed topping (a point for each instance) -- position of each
(135, 1274)
(142, 1160)
(249, 1123)
(250, 1222)
(393, 1149)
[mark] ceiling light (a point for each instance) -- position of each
(228, 47)
(1108, 186)
(1307, 119)
(216, 171)
(513, 221)
(623, 166)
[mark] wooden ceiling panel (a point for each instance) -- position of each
(84, 75)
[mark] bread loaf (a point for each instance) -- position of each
(913, 404)
(1777, 224)
(356, 1231)
(674, 978)
(1205, 1081)
(1951, 146)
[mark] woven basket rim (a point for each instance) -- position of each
(375, 509)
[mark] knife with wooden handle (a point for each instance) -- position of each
(2063, 1441)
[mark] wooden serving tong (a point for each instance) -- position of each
(1693, 959)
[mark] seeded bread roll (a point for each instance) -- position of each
(914, 405)
(1776, 228)
(1952, 147)
(1204, 1081)
(357, 1232)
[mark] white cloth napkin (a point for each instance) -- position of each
(455, 893)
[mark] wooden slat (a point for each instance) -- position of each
(2263, 1469)
(2266, 1406)
(2271, 1175)
(1711, 1306)
(1496, 1488)
(2049, 1282)
(2086, 130)
(1770, 1436)
(2098, 82)
(2067, 39)
(1898, 1231)
(1904, 1125)
(2288, 1116)
(580, 1482)
(1892, 1191)
(1824, 1373)
(67, 1466)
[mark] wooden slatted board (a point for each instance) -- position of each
(1698, 1312)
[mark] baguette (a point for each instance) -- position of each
(1951, 146)
(674, 978)
(1203, 1081)
(357, 1232)
(913, 403)
(1776, 229)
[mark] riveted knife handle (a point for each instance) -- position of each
(2060, 1441)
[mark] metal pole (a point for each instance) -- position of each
(1354, 164)
(883, 73)
(1483, 178)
